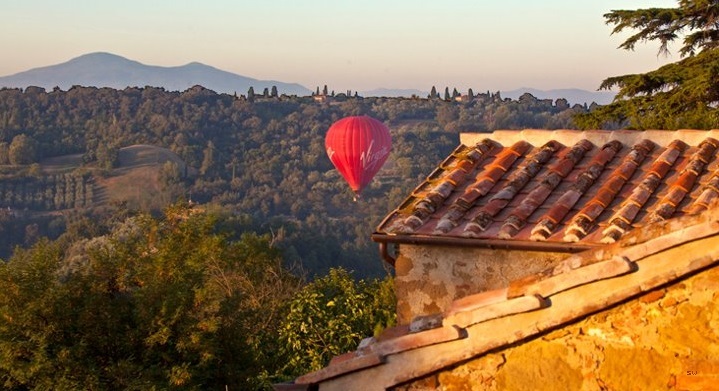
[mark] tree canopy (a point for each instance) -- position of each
(262, 159)
(683, 94)
(154, 303)
(173, 302)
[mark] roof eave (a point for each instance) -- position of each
(494, 244)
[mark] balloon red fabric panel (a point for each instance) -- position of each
(358, 146)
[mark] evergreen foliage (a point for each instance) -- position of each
(683, 94)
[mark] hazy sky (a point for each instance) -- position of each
(357, 45)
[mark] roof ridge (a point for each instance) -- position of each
(597, 136)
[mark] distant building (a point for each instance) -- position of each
(321, 98)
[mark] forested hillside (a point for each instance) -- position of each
(259, 158)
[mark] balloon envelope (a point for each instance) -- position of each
(358, 146)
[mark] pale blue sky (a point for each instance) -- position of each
(357, 45)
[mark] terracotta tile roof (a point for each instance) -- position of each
(558, 187)
(581, 284)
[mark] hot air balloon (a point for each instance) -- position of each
(358, 147)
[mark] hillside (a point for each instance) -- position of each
(139, 179)
(261, 161)
(142, 179)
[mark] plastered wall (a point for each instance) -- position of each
(429, 278)
(666, 339)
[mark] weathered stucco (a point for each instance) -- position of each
(429, 278)
(667, 339)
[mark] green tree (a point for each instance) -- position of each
(208, 159)
(680, 94)
(446, 114)
(22, 150)
(35, 170)
(455, 93)
(330, 316)
(155, 304)
(107, 156)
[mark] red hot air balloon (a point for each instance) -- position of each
(358, 147)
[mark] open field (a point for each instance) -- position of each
(64, 183)
(61, 164)
(137, 179)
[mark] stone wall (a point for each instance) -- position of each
(667, 339)
(429, 278)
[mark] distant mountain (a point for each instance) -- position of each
(572, 95)
(110, 70)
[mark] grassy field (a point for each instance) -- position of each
(61, 164)
(135, 182)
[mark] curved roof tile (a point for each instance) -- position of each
(519, 187)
